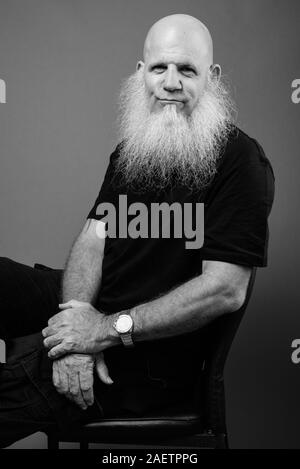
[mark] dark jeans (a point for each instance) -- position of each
(28, 400)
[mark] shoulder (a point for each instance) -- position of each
(242, 149)
(243, 169)
(244, 153)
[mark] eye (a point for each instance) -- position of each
(187, 71)
(158, 68)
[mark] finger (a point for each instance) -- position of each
(59, 351)
(52, 341)
(71, 304)
(55, 375)
(75, 390)
(61, 379)
(56, 319)
(48, 331)
(102, 370)
(86, 385)
(66, 305)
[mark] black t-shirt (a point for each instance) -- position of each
(236, 208)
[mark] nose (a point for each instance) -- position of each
(172, 80)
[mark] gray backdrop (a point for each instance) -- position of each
(63, 62)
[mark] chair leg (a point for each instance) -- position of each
(84, 444)
(53, 442)
(222, 441)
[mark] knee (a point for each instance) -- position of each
(8, 276)
(5, 265)
(5, 260)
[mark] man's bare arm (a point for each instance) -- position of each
(73, 373)
(83, 270)
(220, 289)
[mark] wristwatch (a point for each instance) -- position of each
(124, 327)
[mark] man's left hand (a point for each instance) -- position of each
(79, 328)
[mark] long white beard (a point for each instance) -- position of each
(159, 148)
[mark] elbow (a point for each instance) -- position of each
(234, 298)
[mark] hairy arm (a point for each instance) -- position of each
(73, 373)
(83, 270)
(221, 289)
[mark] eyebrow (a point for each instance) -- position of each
(179, 64)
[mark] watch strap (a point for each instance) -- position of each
(127, 339)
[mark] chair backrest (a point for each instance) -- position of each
(218, 336)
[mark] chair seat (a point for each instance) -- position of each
(160, 424)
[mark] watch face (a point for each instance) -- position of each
(124, 323)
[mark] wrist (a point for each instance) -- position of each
(112, 337)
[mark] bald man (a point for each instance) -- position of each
(122, 323)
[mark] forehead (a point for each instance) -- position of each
(186, 47)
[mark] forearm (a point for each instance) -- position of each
(185, 309)
(82, 274)
(191, 305)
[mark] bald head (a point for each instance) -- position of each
(183, 30)
(178, 62)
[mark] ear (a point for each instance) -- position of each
(215, 71)
(140, 65)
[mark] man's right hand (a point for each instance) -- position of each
(73, 376)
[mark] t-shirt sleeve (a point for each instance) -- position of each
(236, 215)
(104, 189)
